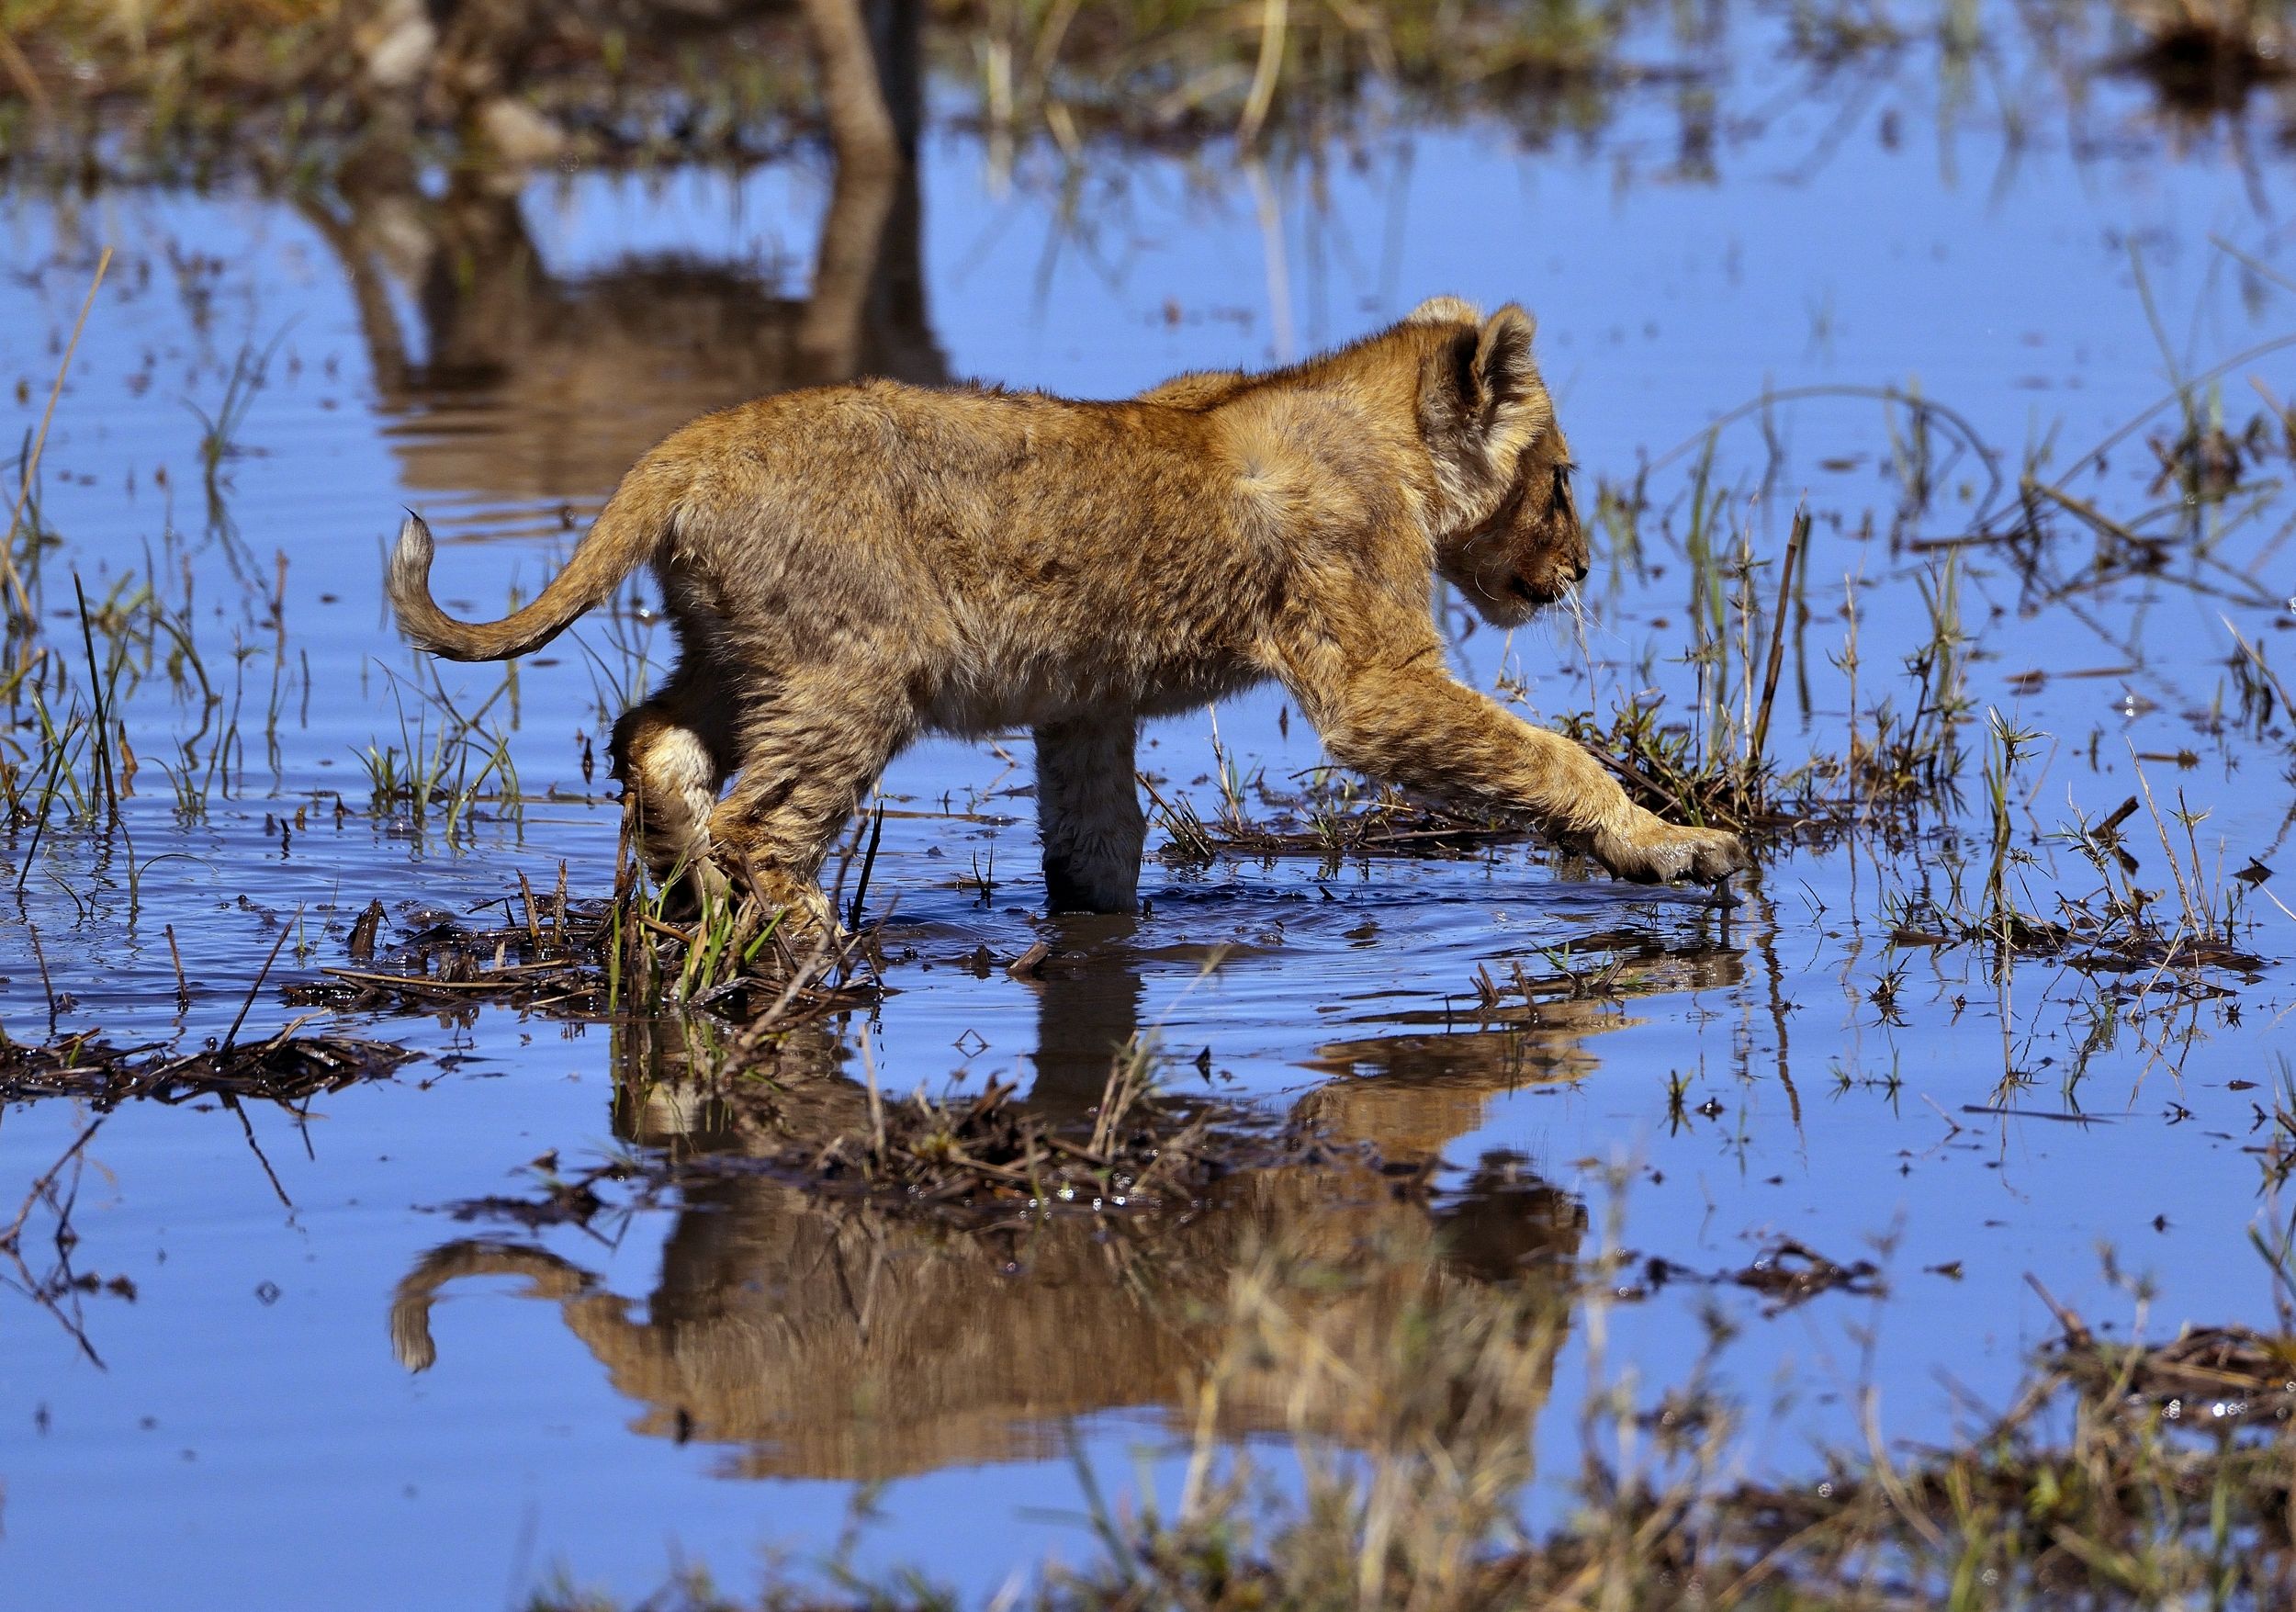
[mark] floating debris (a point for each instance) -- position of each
(1787, 1272)
(560, 1201)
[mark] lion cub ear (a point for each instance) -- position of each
(1504, 372)
(1477, 375)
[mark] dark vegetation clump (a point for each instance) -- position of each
(1335, 823)
(2206, 463)
(1656, 761)
(986, 1156)
(2209, 1376)
(973, 1162)
(561, 1201)
(585, 959)
(288, 1068)
(2204, 57)
(548, 962)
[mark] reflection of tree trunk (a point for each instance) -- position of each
(484, 290)
(469, 60)
(546, 388)
(657, 341)
(370, 295)
(895, 37)
(896, 313)
(852, 96)
(479, 282)
(834, 329)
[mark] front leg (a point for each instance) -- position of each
(1412, 724)
(1087, 808)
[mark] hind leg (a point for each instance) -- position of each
(672, 753)
(1087, 809)
(810, 752)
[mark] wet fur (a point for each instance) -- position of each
(849, 566)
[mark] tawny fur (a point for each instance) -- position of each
(849, 566)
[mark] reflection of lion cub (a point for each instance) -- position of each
(848, 567)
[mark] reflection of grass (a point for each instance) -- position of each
(218, 437)
(1171, 64)
(195, 77)
(194, 69)
(2123, 1475)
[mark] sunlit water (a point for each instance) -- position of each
(1957, 229)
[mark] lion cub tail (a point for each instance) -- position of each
(623, 538)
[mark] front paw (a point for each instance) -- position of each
(1654, 852)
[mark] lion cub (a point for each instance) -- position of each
(848, 567)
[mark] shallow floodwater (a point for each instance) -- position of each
(712, 1379)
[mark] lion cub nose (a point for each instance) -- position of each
(1578, 572)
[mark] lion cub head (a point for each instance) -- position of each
(1506, 528)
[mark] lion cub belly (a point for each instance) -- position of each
(1029, 686)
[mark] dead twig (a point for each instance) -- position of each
(15, 1227)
